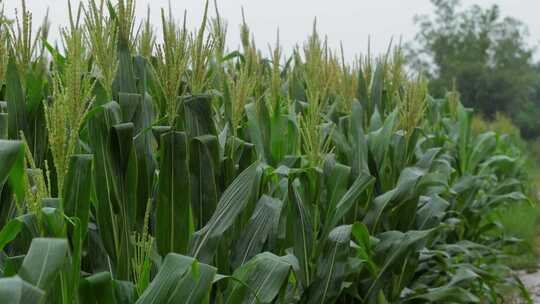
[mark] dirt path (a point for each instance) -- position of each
(532, 282)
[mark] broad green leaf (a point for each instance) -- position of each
(130, 103)
(261, 279)
(124, 179)
(405, 187)
(16, 291)
(361, 184)
(303, 234)
(199, 115)
(100, 136)
(12, 168)
(359, 161)
(180, 279)
(431, 211)
(44, 261)
(173, 210)
(464, 117)
(115, 179)
(101, 288)
(379, 140)
(17, 111)
(336, 180)
(231, 203)
(331, 267)
(144, 146)
(125, 76)
(203, 168)
(10, 152)
(97, 288)
(3, 126)
(259, 130)
(9, 232)
(392, 254)
(252, 239)
(377, 87)
(450, 292)
(363, 246)
(77, 187)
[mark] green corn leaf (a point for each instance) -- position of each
(101, 288)
(232, 202)
(130, 103)
(138, 109)
(125, 76)
(336, 179)
(259, 280)
(16, 291)
(77, 187)
(358, 141)
(379, 140)
(363, 246)
(251, 241)
(361, 184)
(4, 120)
(115, 179)
(173, 211)
(44, 261)
(377, 87)
(464, 117)
(181, 279)
(9, 232)
(198, 112)
(97, 288)
(17, 118)
(259, 130)
(331, 267)
(391, 254)
(408, 180)
(302, 231)
(204, 168)
(12, 168)
(53, 218)
(100, 136)
(430, 212)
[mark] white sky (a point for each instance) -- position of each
(349, 21)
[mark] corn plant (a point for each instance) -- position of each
(142, 170)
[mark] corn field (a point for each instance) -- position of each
(138, 169)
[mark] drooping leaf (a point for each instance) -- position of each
(252, 239)
(181, 279)
(44, 260)
(16, 291)
(101, 288)
(231, 203)
(12, 168)
(261, 279)
(9, 232)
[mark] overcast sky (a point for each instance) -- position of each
(349, 21)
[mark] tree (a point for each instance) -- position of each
(484, 55)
